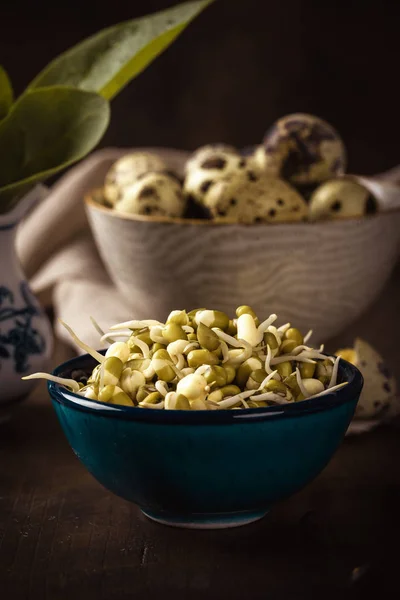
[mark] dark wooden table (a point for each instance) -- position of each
(63, 536)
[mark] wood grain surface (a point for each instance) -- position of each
(63, 536)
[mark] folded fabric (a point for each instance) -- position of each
(58, 254)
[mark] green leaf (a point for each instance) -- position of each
(107, 61)
(45, 131)
(6, 93)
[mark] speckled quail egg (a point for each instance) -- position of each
(215, 152)
(379, 389)
(153, 194)
(304, 149)
(265, 162)
(216, 167)
(126, 171)
(257, 200)
(340, 198)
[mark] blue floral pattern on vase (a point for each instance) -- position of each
(21, 339)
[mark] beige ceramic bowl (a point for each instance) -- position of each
(316, 275)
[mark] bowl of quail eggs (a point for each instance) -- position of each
(281, 222)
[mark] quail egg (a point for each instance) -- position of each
(126, 171)
(265, 162)
(215, 164)
(216, 152)
(379, 390)
(256, 200)
(153, 194)
(214, 168)
(304, 149)
(340, 198)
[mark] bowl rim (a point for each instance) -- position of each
(91, 202)
(61, 395)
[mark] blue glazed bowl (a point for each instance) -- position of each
(205, 468)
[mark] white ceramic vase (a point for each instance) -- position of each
(25, 332)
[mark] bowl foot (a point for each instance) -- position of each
(206, 521)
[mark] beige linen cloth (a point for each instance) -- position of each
(59, 256)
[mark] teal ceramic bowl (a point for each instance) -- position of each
(205, 469)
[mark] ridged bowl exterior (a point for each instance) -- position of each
(318, 276)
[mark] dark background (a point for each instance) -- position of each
(240, 66)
